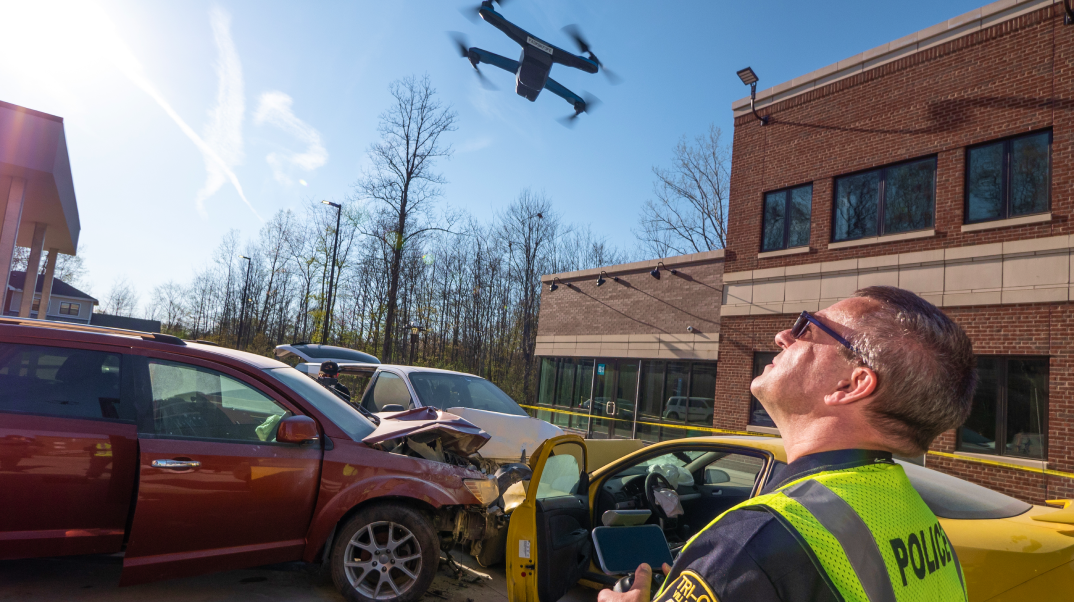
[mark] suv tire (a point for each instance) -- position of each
(385, 553)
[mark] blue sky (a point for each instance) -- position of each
(169, 105)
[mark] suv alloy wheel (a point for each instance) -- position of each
(385, 553)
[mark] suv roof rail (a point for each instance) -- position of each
(301, 343)
(163, 338)
(55, 325)
(203, 342)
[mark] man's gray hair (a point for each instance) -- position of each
(924, 364)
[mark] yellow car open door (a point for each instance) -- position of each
(548, 541)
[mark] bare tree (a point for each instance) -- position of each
(689, 213)
(121, 300)
(401, 183)
(528, 227)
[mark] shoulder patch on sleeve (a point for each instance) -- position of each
(687, 587)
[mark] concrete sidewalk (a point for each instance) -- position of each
(96, 578)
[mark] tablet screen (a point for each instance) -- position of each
(621, 549)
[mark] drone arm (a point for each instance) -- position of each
(570, 59)
(557, 88)
(491, 58)
(496, 20)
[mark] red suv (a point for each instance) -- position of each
(193, 458)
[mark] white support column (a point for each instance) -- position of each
(33, 265)
(46, 288)
(12, 193)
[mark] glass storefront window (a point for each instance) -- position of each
(673, 400)
(702, 394)
(652, 400)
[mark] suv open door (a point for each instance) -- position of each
(548, 544)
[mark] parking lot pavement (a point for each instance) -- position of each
(95, 578)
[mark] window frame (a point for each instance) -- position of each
(1005, 177)
(786, 216)
(881, 200)
(1001, 410)
(70, 304)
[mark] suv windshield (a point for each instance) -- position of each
(335, 409)
(443, 390)
(951, 497)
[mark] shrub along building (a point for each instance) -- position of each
(940, 163)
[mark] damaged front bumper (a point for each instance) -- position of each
(439, 436)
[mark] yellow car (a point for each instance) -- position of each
(1009, 550)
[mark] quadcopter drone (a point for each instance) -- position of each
(532, 68)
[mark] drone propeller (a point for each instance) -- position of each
(575, 34)
(474, 14)
(463, 46)
(589, 102)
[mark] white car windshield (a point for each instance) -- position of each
(335, 409)
(444, 390)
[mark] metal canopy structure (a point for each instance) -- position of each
(38, 209)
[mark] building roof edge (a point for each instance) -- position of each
(945, 31)
(638, 266)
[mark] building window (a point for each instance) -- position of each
(889, 200)
(1010, 408)
(37, 304)
(786, 218)
(758, 415)
(70, 309)
(1008, 178)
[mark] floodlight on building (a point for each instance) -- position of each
(655, 273)
(600, 277)
(553, 286)
(750, 79)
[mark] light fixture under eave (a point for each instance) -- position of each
(655, 273)
(750, 78)
(553, 286)
(600, 278)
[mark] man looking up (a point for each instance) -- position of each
(881, 373)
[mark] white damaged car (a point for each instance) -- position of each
(393, 388)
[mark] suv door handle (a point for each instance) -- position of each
(176, 464)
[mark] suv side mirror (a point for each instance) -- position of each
(393, 407)
(297, 429)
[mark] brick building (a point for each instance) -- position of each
(941, 163)
(630, 350)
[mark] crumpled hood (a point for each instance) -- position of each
(511, 436)
(423, 425)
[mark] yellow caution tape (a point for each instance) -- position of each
(1000, 464)
(703, 429)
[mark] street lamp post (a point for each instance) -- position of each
(415, 328)
(242, 312)
(331, 276)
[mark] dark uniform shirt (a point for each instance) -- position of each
(755, 555)
(333, 384)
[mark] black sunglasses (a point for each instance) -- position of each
(805, 319)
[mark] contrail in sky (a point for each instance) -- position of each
(224, 130)
(275, 108)
(126, 62)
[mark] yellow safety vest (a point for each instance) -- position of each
(872, 533)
